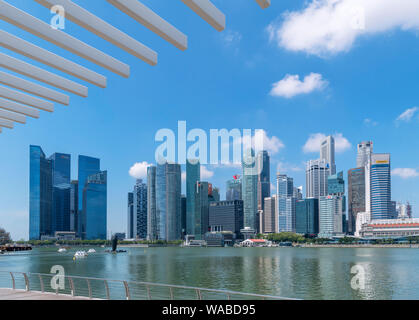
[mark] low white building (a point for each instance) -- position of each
(390, 228)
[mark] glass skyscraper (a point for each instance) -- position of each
(317, 172)
(356, 196)
(285, 203)
(234, 189)
(140, 210)
(95, 206)
(307, 217)
(201, 221)
(264, 180)
(327, 153)
(40, 194)
(380, 186)
(130, 216)
(365, 150)
(193, 175)
(152, 219)
(336, 184)
(249, 190)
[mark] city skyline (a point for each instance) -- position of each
(354, 106)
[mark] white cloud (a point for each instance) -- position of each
(370, 123)
(231, 37)
(314, 141)
(205, 173)
(292, 86)
(405, 173)
(283, 167)
(139, 170)
(408, 114)
(271, 144)
(326, 27)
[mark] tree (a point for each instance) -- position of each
(4, 237)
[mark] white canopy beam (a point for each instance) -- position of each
(101, 28)
(26, 99)
(12, 116)
(6, 123)
(43, 30)
(150, 20)
(16, 107)
(264, 3)
(42, 75)
(207, 11)
(33, 88)
(48, 58)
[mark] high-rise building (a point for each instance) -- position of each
(95, 206)
(285, 202)
(193, 175)
(61, 189)
(183, 215)
(269, 221)
(336, 184)
(74, 205)
(249, 190)
(317, 172)
(381, 186)
(356, 196)
(331, 216)
(201, 209)
(298, 193)
(327, 153)
(140, 210)
(168, 201)
(307, 217)
(152, 218)
(365, 150)
(130, 216)
(226, 216)
(234, 189)
(40, 194)
(264, 180)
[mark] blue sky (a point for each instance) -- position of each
(357, 82)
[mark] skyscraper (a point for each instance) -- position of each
(95, 206)
(264, 180)
(317, 172)
(168, 201)
(226, 216)
(201, 210)
(380, 186)
(330, 216)
(249, 190)
(356, 196)
(130, 216)
(327, 153)
(74, 205)
(234, 189)
(140, 210)
(285, 203)
(365, 150)
(193, 175)
(269, 222)
(40, 194)
(307, 217)
(152, 218)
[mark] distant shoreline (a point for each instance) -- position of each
(357, 245)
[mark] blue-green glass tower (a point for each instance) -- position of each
(193, 175)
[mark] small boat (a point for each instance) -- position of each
(80, 254)
(61, 250)
(91, 251)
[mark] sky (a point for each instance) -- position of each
(299, 70)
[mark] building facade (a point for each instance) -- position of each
(365, 150)
(226, 216)
(193, 175)
(327, 153)
(140, 210)
(249, 190)
(381, 186)
(356, 196)
(130, 216)
(317, 172)
(234, 189)
(307, 217)
(264, 180)
(285, 203)
(152, 218)
(201, 200)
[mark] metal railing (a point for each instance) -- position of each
(99, 288)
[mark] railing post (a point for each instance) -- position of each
(41, 281)
(171, 294)
(228, 296)
(198, 294)
(26, 281)
(13, 281)
(108, 297)
(73, 292)
(89, 287)
(148, 292)
(127, 293)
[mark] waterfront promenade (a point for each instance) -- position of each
(10, 294)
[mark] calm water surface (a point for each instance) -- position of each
(308, 273)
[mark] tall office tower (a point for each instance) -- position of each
(307, 217)
(331, 210)
(298, 193)
(365, 150)
(409, 210)
(183, 215)
(61, 189)
(152, 218)
(285, 203)
(74, 205)
(40, 194)
(249, 190)
(393, 210)
(130, 216)
(380, 186)
(168, 201)
(140, 210)
(193, 175)
(201, 221)
(234, 189)
(226, 216)
(327, 153)
(215, 194)
(336, 189)
(264, 180)
(95, 206)
(336, 184)
(317, 172)
(356, 196)
(86, 167)
(269, 223)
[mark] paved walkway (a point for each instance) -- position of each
(10, 294)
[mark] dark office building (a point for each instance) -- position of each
(307, 216)
(183, 215)
(226, 216)
(74, 205)
(264, 180)
(201, 210)
(356, 196)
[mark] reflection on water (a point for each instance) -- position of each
(308, 273)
